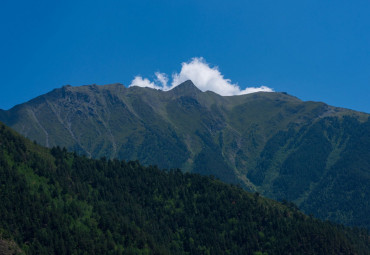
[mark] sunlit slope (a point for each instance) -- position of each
(270, 142)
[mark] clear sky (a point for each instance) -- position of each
(316, 49)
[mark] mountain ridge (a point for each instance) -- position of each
(263, 141)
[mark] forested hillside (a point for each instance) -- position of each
(310, 153)
(55, 202)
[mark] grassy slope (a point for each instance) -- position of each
(263, 141)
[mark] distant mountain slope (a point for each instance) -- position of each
(308, 152)
(55, 202)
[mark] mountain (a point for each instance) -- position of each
(310, 153)
(55, 202)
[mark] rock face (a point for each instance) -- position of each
(308, 152)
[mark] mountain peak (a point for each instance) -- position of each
(186, 88)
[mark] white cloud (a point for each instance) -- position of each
(255, 89)
(140, 82)
(205, 78)
(163, 79)
(202, 75)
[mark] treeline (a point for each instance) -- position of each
(55, 202)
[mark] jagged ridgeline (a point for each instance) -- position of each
(55, 202)
(310, 153)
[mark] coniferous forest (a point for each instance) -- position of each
(56, 202)
(310, 153)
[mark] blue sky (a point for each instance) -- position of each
(315, 50)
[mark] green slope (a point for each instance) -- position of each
(273, 143)
(55, 202)
(323, 167)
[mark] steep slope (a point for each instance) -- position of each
(323, 167)
(55, 202)
(273, 143)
